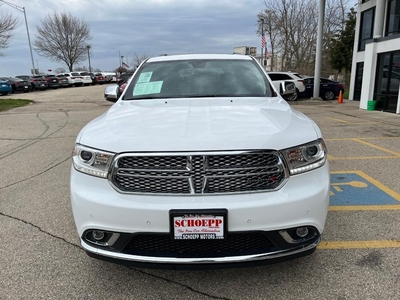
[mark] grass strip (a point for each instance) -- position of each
(6, 104)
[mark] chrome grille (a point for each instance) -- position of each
(198, 173)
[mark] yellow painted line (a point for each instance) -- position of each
(379, 185)
(359, 244)
(364, 207)
(339, 120)
(377, 147)
(330, 157)
(346, 123)
(364, 138)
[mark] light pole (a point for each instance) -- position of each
(22, 9)
(88, 53)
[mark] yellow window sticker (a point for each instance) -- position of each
(145, 77)
(147, 88)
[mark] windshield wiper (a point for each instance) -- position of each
(202, 96)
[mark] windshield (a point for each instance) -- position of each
(198, 78)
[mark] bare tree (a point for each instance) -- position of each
(59, 70)
(81, 69)
(63, 38)
(138, 59)
(7, 25)
(291, 26)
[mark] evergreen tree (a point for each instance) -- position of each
(341, 52)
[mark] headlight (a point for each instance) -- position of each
(306, 157)
(91, 161)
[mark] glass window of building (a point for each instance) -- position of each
(366, 30)
(358, 82)
(387, 81)
(393, 17)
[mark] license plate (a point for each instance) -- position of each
(42, 84)
(26, 87)
(198, 224)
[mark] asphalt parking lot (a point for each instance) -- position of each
(40, 255)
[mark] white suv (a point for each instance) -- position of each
(87, 80)
(278, 77)
(199, 162)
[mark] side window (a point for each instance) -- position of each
(274, 76)
(309, 81)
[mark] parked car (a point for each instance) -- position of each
(87, 80)
(328, 89)
(63, 80)
(74, 78)
(37, 81)
(109, 77)
(5, 87)
(17, 85)
(278, 77)
(52, 81)
(98, 78)
(200, 162)
(122, 88)
(124, 77)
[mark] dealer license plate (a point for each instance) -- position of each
(198, 224)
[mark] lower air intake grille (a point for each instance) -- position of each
(236, 244)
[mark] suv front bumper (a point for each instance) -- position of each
(302, 202)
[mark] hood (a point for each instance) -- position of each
(205, 124)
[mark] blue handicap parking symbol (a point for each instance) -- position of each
(353, 189)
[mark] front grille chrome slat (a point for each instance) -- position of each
(198, 173)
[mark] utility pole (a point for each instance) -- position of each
(22, 9)
(88, 53)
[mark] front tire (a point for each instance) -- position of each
(329, 95)
(292, 97)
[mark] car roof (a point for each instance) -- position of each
(199, 56)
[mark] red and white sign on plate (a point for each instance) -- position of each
(198, 226)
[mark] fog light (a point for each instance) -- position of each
(98, 235)
(302, 231)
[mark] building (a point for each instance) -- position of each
(245, 50)
(270, 62)
(375, 73)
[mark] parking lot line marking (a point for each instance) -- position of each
(364, 207)
(377, 147)
(365, 138)
(331, 157)
(379, 185)
(339, 120)
(359, 244)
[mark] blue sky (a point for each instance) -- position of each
(128, 27)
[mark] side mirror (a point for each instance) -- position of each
(111, 93)
(287, 88)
